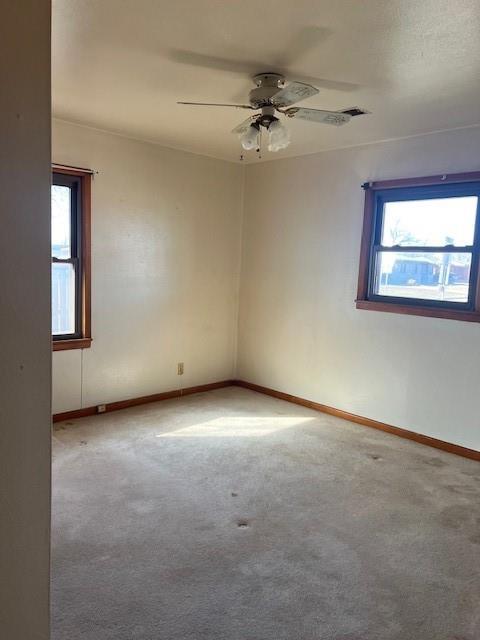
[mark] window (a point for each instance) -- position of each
(71, 191)
(420, 248)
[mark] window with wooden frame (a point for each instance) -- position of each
(420, 251)
(71, 205)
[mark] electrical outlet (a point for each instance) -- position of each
(101, 408)
(180, 369)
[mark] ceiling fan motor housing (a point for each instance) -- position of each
(267, 116)
(268, 85)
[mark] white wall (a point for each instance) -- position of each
(166, 243)
(25, 349)
(166, 230)
(299, 331)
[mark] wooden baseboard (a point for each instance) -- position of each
(366, 422)
(345, 415)
(133, 402)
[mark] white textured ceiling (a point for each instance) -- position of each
(121, 65)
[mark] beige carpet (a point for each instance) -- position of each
(230, 515)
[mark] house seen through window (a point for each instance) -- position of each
(407, 263)
(422, 247)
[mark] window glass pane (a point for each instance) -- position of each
(434, 223)
(63, 298)
(61, 221)
(429, 276)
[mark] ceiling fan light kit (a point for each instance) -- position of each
(250, 137)
(278, 136)
(272, 95)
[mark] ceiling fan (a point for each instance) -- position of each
(272, 95)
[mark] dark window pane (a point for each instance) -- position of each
(434, 223)
(428, 276)
(61, 217)
(63, 298)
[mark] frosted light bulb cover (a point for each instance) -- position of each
(278, 136)
(249, 138)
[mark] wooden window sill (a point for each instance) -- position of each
(431, 312)
(75, 343)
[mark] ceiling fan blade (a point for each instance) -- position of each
(292, 93)
(217, 104)
(355, 111)
(249, 68)
(337, 118)
(242, 127)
